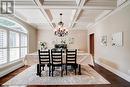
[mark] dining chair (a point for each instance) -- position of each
(71, 56)
(56, 56)
(44, 59)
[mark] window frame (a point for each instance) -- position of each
(8, 30)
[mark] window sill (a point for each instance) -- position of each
(10, 63)
(7, 68)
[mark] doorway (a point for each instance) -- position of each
(91, 42)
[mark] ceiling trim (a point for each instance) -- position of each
(126, 3)
(26, 7)
(84, 7)
(44, 12)
(81, 4)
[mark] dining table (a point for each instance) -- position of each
(83, 58)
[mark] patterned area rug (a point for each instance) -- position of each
(29, 77)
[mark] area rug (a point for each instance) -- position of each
(29, 77)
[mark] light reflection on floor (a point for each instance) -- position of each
(12, 86)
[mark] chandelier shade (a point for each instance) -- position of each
(60, 30)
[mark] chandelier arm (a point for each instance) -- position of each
(61, 17)
(61, 31)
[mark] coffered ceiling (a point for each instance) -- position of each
(77, 14)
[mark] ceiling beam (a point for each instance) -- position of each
(81, 4)
(76, 7)
(99, 7)
(25, 7)
(44, 12)
(68, 7)
(77, 2)
(59, 3)
(59, 7)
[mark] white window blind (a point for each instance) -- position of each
(3, 46)
(23, 45)
(23, 52)
(14, 39)
(14, 46)
(14, 54)
(23, 40)
(3, 38)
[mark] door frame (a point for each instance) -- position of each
(92, 44)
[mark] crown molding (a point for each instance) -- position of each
(109, 14)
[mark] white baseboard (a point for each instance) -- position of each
(10, 69)
(121, 74)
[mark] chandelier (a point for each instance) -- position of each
(60, 30)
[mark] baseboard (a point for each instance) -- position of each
(121, 74)
(8, 70)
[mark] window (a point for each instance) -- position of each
(14, 46)
(13, 42)
(5, 22)
(23, 45)
(3, 46)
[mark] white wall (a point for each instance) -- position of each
(80, 38)
(118, 58)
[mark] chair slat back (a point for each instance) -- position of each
(44, 56)
(71, 56)
(56, 56)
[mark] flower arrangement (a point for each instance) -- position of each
(43, 45)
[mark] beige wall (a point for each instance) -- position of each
(115, 57)
(80, 38)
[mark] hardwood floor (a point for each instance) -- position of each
(12, 74)
(115, 80)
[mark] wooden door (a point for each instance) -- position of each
(91, 39)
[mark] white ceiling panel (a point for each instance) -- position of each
(32, 15)
(36, 20)
(66, 17)
(87, 16)
(44, 26)
(76, 13)
(90, 14)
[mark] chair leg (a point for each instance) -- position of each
(37, 69)
(75, 70)
(49, 70)
(79, 66)
(61, 71)
(66, 69)
(43, 68)
(52, 70)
